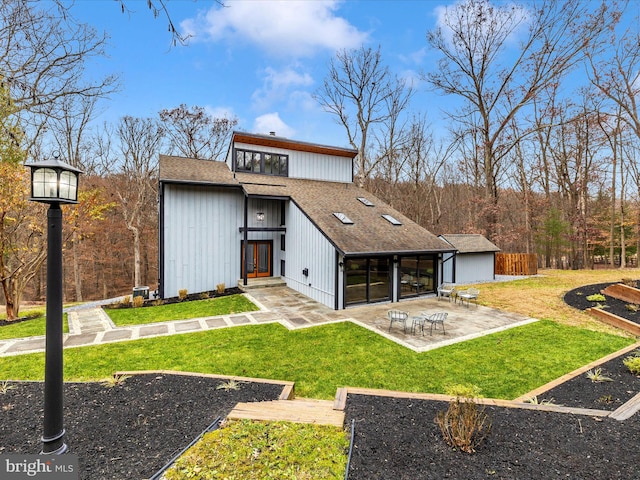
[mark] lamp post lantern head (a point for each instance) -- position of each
(53, 181)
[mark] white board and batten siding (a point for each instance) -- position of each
(307, 165)
(201, 238)
(314, 253)
(470, 267)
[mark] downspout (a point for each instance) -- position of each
(336, 303)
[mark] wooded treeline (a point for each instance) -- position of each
(531, 154)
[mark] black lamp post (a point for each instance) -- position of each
(54, 182)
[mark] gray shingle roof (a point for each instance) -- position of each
(370, 233)
(470, 243)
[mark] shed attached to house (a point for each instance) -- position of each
(473, 261)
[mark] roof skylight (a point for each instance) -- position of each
(343, 218)
(392, 220)
(366, 201)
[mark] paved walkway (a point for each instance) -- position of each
(92, 326)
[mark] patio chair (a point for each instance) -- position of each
(398, 316)
(435, 320)
(446, 290)
(468, 295)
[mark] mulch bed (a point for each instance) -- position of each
(398, 439)
(577, 298)
(128, 431)
(582, 392)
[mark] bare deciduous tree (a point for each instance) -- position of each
(193, 133)
(363, 95)
(133, 167)
(495, 81)
(43, 51)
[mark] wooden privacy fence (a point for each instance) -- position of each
(516, 264)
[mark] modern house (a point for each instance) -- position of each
(473, 261)
(283, 208)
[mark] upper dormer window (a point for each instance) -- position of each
(261, 162)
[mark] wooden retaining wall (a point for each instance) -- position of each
(516, 264)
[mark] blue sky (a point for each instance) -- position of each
(259, 60)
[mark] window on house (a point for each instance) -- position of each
(261, 162)
(366, 201)
(282, 244)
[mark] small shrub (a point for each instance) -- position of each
(115, 380)
(138, 301)
(5, 387)
(630, 283)
(597, 376)
(606, 399)
(464, 425)
(632, 307)
(182, 294)
(535, 401)
(231, 384)
(220, 288)
(596, 297)
(126, 301)
(204, 295)
(633, 364)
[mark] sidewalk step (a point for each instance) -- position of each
(300, 410)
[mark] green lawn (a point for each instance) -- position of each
(30, 328)
(321, 359)
(245, 449)
(181, 311)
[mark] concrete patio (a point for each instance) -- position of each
(463, 322)
(92, 326)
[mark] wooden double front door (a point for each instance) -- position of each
(258, 258)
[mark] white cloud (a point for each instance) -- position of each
(280, 27)
(277, 84)
(271, 122)
(301, 100)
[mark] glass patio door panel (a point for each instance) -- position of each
(356, 281)
(417, 275)
(263, 251)
(367, 280)
(250, 259)
(379, 280)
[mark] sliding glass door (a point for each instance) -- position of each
(367, 280)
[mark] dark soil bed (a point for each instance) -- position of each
(577, 298)
(582, 392)
(398, 439)
(128, 431)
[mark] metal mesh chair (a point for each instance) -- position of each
(435, 320)
(398, 316)
(468, 295)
